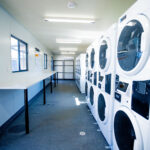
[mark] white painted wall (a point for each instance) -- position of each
(12, 100)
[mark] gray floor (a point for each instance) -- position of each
(55, 126)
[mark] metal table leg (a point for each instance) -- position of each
(55, 80)
(51, 84)
(26, 111)
(44, 93)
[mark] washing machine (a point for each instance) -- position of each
(106, 80)
(86, 73)
(87, 77)
(131, 119)
(92, 77)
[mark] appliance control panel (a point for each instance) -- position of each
(120, 86)
(108, 83)
(95, 78)
(100, 78)
(141, 98)
(118, 97)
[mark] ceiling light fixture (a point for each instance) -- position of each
(68, 41)
(67, 49)
(68, 53)
(70, 20)
(72, 4)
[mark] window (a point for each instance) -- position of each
(19, 55)
(45, 61)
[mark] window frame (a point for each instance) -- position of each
(19, 60)
(52, 63)
(45, 61)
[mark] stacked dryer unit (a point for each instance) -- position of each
(92, 78)
(106, 76)
(86, 75)
(80, 72)
(131, 117)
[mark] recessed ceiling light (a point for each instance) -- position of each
(70, 20)
(68, 41)
(68, 49)
(68, 53)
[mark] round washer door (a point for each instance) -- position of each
(91, 95)
(133, 45)
(126, 130)
(86, 89)
(104, 54)
(101, 107)
(92, 58)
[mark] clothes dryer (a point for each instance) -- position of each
(92, 78)
(87, 75)
(106, 76)
(132, 95)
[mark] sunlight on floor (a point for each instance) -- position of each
(78, 102)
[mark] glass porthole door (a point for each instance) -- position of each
(129, 46)
(101, 107)
(92, 58)
(86, 89)
(133, 45)
(104, 54)
(91, 95)
(127, 133)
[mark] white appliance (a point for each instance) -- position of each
(80, 70)
(92, 77)
(88, 76)
(131, 119)
(106, 76)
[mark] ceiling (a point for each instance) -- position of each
(31, 14)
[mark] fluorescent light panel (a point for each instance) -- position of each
(68, 53)
(67, 49)
(70, 20)
(68, 41)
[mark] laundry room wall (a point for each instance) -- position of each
(12, 100)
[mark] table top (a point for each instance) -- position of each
(25, 83)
